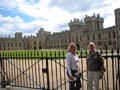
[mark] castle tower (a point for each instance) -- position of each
(100, 22)
(93, 23)
(18, 35)
(76, 24)
(117, 24)
(42, 34)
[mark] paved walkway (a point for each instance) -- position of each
(3, 89)
(16, 88)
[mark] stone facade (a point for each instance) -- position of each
(81, 32)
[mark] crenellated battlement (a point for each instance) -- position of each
(76, 21)
(94, 17)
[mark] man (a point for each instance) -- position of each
(95, 66)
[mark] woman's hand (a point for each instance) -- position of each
(71, 77)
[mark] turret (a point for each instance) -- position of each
(76, 24)
(117, 17)
(18, 35)
(94, 23)
(117, 24)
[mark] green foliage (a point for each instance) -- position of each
(33, 53)
(38, 53)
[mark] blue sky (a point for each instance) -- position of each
(28, 16)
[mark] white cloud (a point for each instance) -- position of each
(9, 4)
(54, 16)
(11, 25)
(57, 16)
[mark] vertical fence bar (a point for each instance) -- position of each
(47, 68)
(17, 56)
(28, 57)
(17, 64)
(32, 69)
(106, 55)
(35, 59)
(56, 69)
(60, 69)
(0, 67)
(2, 73)
(63, 54)
(26, 64)
(104, 74)
(23, 69)
(43, 73)
(118, 72)
(65, 71)
(113, 69)
(86, 53)
(51, 70)
(11, 70)
(39, 70)
(81, 67)
(12, 66)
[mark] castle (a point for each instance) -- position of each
(81, 32)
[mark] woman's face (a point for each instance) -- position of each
(73, 48)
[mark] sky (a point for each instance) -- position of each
(28, 16)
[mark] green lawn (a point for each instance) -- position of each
(35, 53)
(40, 53)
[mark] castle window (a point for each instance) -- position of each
(65, 40)
(76, 39)
(99, 43)
(8, 45)
(61, 41)
(109, 42)
(72, 39)
(93, 37)
(39, 42)
(19, 44)
(113, 34)
(34, 43)
(69, 40)
(109, 35)
(12, 44)
(99, 36)
(114, 42)
(35, 48)
(15, 44)
(4, 45)
(88, 37)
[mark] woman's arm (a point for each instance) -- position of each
(68, 59)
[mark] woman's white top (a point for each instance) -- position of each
(72, 62)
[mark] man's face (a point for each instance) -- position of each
(91, 47)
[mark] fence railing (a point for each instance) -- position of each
(47, 70)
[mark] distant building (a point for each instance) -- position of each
(81, 32)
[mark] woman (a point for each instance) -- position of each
(72, 67)
(94, 66)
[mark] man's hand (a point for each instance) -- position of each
(71, 77)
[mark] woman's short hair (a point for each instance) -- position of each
(91, 43)
(70, 46)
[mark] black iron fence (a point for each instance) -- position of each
(48, 72)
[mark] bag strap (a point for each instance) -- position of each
(100, 60)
